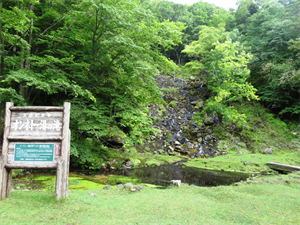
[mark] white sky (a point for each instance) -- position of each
(222, 3)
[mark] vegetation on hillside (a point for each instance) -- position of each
(102, 57)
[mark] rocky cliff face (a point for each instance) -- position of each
(180, 133)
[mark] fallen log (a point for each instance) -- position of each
(283, 167)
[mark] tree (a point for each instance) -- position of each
(269, 35)
(199, 50)
(227, 80)
(99, 55)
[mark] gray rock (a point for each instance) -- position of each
(200, 140)
(178, 147)
(107, 187)
(140, 187)
(25, 190)
(133, 189)
(18, 187)
(128, 185)
(177, 143)
(92, 194)
(270, 182)
(192, 78)
(128, 163)
(267, 151)
(208, 138)
(194, 103)
(170, 148)
(190, 145)
(287, 181)
(200, 104)
(209, 131)
(120, 185)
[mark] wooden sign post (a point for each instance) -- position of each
(36, 137)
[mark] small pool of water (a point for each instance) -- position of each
(162, 175)
(159, 175)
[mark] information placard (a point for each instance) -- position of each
(41, 152)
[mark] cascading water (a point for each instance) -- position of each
(180, 134)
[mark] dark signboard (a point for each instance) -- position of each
(40, 152)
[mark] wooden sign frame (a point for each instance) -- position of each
(36, 125)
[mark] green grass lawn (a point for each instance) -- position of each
(245, 162)
(266, 200)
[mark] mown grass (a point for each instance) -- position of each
(244, 162)
(260, 202)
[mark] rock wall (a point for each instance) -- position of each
(180, 134)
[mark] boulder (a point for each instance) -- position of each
(107, 187)
(116, 137)
(128, 185)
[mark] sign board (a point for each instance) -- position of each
(42, 124)
(42, 152)
(36, 137)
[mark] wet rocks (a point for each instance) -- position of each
(180, 134)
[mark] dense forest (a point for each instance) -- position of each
(102, 56)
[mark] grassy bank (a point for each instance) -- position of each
(245, 162)
(266, 200)
(265, 139)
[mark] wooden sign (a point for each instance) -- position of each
(36, 137)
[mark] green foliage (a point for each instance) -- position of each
(173, 103)
(282, 90)
(200, 50)
(271, 34)
(227, 77)
(264, 132)
(194, 17)
(99, 55)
